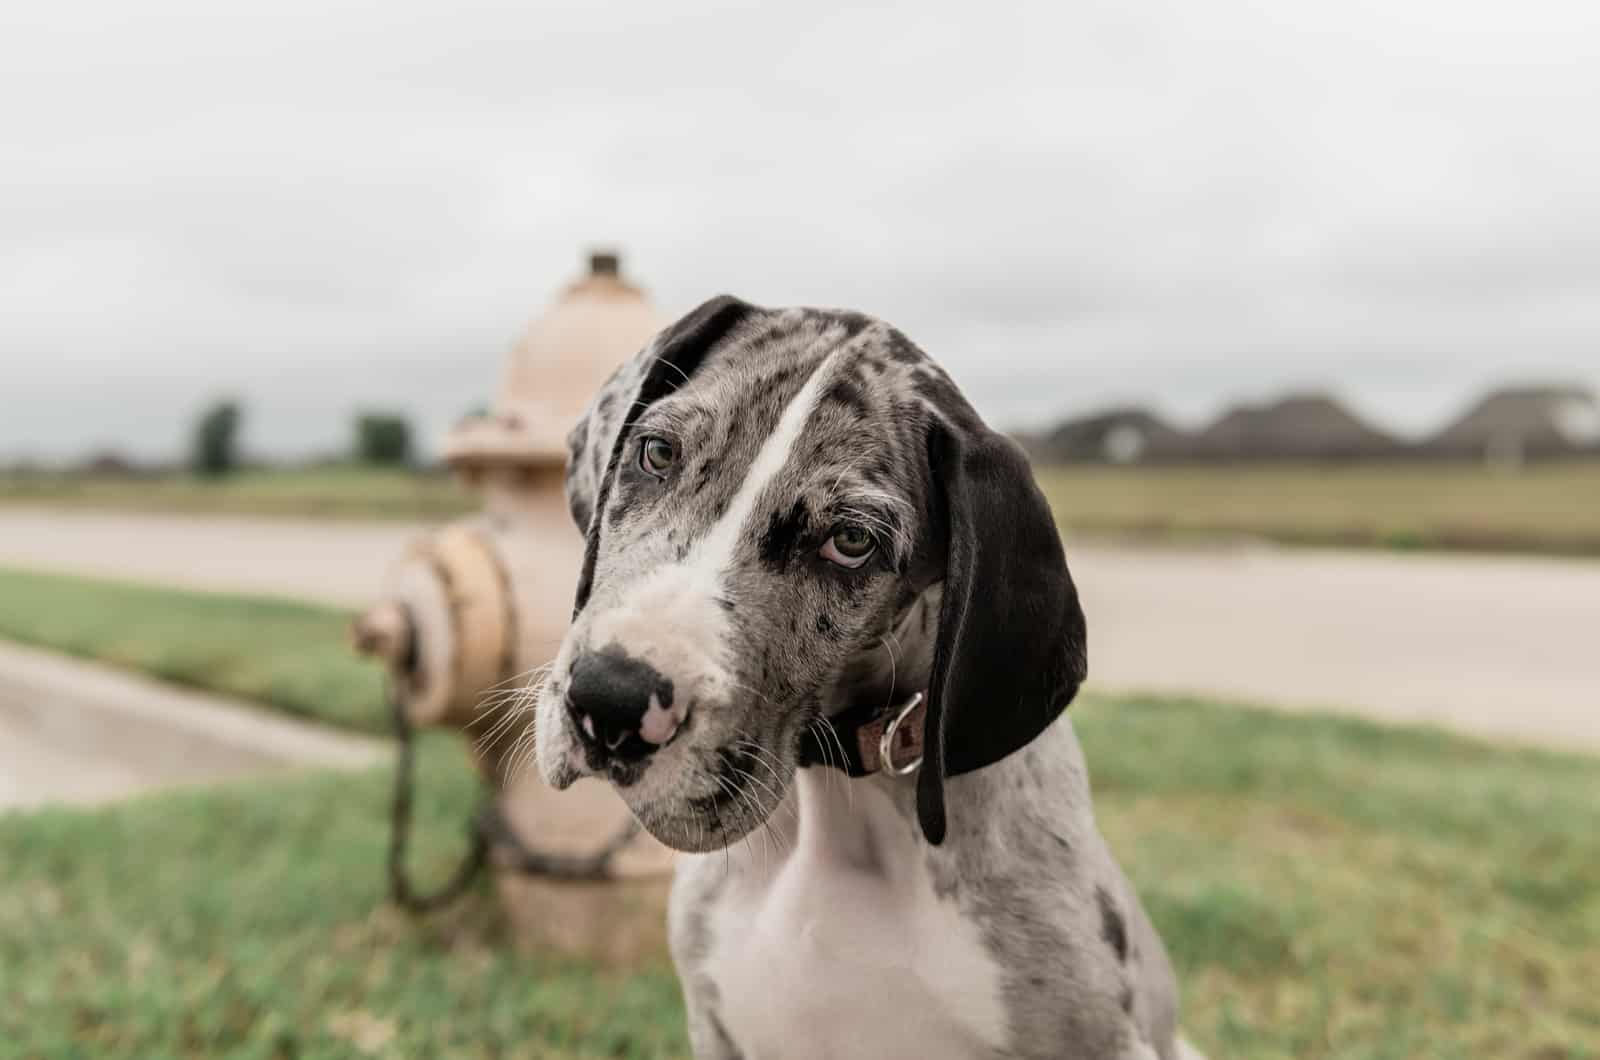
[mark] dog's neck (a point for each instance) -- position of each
(898, 665)
(859, 822)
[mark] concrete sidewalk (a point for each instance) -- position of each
(77, 732)
(331, 560)
(1496, 646)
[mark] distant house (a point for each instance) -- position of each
(1527, 422)
(1118, 436)
(1298, 427)
(110, 464)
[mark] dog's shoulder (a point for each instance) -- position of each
(1082, 962)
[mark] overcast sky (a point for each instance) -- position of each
(324, 205)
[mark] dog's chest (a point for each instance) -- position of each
(845, 950)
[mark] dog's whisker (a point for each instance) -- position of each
(770, 760)
(764, 786)
(822, 727)
(749, 805)
(765, 759)
(663, 361)
(815, 727)
(766, 825)
(524, 677)
(741, 686)
(733, 793)
(514, 709)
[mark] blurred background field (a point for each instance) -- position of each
(337, 491)
(1549, 507)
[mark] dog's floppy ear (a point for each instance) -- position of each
(595, 445)
(1012, 643)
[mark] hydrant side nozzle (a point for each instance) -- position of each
(385, 632)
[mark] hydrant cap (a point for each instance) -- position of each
(598, 321)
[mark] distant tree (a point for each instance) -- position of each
(216, 439)
(383, 438)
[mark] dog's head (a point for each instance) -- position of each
(787, 511)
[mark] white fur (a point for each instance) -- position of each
(829, 942)
(714, 551)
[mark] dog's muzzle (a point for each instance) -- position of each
(621, 707)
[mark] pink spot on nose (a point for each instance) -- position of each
(658, 724)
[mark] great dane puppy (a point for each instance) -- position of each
(823, 639)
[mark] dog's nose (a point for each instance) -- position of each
(621, 705)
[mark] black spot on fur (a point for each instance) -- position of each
(852, 323)
(783, 534)
(725, 603)
(826, 627)
(703, 478)
(848, 393)
(1112, 929)
(938, 390)
(903, 349)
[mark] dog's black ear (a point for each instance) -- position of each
(1012, 647)
(596, 443)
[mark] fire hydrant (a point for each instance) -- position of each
(478, 606)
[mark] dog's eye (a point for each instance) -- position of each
(850, 546)
(656, 456)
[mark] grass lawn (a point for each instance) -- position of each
(335, 492)
(291, 655)
(1552, 508)
(249, 921)
(1327, 887)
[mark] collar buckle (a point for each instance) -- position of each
(886, 741)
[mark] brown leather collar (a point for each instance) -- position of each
(867, 740)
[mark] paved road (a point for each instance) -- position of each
(1499, 646)
(328, 560)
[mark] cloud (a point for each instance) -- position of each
(327, 206)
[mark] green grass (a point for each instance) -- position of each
(1550, 508)
(249, 921)
(291, 655)
(1334, 888)
(1327, 887)
(323, 492)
